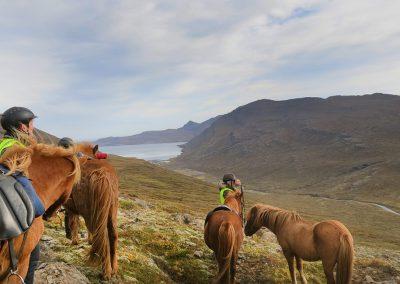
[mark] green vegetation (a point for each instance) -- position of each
(161, 233)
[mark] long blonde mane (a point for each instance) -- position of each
(18, 158)
(275, 218)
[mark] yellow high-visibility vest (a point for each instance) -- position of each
(7, 143)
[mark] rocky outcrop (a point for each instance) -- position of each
(59, 272)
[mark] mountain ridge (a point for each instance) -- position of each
(182, 134)
(341, 146)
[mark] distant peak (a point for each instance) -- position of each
(190, 125)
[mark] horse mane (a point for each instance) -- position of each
(275, 218)
(18, 158)
(233, 194)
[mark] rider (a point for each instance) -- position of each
(229, 181)
(21, 119)
(66, 142)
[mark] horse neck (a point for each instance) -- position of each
(51, 177)
(274, 224)
(233, 204)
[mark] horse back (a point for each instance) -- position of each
(327, 234)
(214, 223)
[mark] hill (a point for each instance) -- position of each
(161, 233)
(182, 134)
(340, 147)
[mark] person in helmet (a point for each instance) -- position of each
(66, 142)
(13, 120)
(229, 182)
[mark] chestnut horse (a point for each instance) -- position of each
(53, 171)
(95, 198)
(223, 233)
(329, 241)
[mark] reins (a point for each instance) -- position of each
(243, 206)
(13, 268)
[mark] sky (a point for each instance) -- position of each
(92, 69)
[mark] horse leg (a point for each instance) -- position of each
(299, 263)
(113, 238)
(72, 223)
(290, 260)
(233, 267)
(328, 270)
(67, 225)
(90, 237)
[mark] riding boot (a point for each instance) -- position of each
(33, 264)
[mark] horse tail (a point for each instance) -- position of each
(100, 195)
(345, 260)
(226, 246)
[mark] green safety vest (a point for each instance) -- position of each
(7, 143)
(221, 194)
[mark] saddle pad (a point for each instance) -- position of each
(219, 208)
(16, 209)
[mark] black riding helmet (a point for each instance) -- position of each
(13, 117)
(66, 142)
(228, 177)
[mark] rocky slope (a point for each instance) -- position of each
(182, 134)
(342, 147)
(161, 235)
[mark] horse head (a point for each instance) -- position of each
(253, 221)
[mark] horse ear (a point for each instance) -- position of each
(95, 149)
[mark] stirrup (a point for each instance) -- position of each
(15, 272)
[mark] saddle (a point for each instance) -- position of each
(219, 208)
(16, 208)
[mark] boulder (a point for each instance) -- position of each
(59, 272)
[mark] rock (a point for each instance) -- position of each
(183, 218)
(198, 254)
(369, 279)
(142, 203)
(130, 279)
(199, 223)
(59, 272)
(187, 219)
(46, 238)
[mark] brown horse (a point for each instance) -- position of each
(329, 241)
(95, 198)
(53, 171)
(223, 233)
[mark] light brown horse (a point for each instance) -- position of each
(223, 233)
(329, 241)
(53, 171)
(95, 198)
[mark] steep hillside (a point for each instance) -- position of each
(161, 233)
(345, 147)
(182, 134)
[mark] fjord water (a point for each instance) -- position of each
(148, 152)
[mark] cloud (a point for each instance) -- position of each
(99, 68)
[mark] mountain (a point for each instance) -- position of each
(42, 136)
(182, 134)
(340, 147)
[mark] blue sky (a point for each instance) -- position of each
(91, 69)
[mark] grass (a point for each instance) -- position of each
(155, 246)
